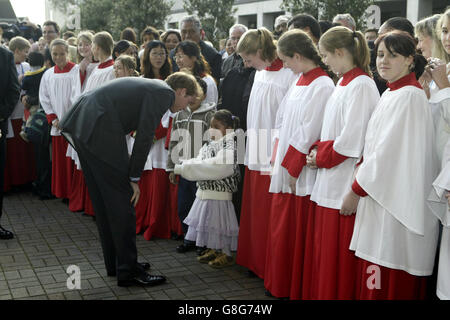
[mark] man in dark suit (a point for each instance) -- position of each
(9, 95)
(96, 126)
(191, 29)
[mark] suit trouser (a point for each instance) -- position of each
(110, 192)
(2, 166)
(43, 181)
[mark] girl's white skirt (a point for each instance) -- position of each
(213, 223)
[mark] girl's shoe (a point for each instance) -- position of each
(221, 261)
(208, 256)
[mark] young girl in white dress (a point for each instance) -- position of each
(212, 219)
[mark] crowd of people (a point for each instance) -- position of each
(316, 156)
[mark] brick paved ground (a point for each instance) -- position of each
(49, 238)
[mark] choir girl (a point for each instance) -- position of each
(272, 81)
(341, 143)
(395, 233)
(299, 120)
(54, 95)
(189, 56)
(212, 219)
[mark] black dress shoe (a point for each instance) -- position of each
(182, 248)
(5, 234)
(144, 280)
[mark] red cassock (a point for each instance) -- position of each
(62, 168)
(158, 208)
(20, 165)
(255, 213)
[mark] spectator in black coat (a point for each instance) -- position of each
(9, 95)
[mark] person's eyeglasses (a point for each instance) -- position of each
(161, 54)
(48, 32)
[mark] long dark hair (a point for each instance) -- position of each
(191, 49)
(147, 69)
(403, 44)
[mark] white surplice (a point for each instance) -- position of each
(269, 89)
(299, 122)
(347, 113)
(394, 226)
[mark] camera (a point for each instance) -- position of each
(11, 30)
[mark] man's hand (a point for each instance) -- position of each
(136, 193)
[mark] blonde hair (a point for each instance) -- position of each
(104, 41)
(19, 43)
(59, 42)
(440, 23)
(87, 36)
(428, 27)
(353, 41)
(258, 39)
(129, 63)
(182, 80)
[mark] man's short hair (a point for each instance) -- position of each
(36, 59)
(243, 28)
(346, 17)
(51, 23)
(18, 43)
(195, 21)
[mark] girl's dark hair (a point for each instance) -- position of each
(298, 41)
(128, 34)
(120, 47)
(303, 20)
(227, 119)
(147, 69)
(191, 49)
(402, 43)
(400, 23)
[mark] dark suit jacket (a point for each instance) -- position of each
(9, 87)
(100, 119)
(211, 55)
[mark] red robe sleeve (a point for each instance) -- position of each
(294, 161)
(358, 190)
(51, 117)
(326, 156)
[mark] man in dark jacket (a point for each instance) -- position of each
(96, 126)
(191, 29)
(9, 95)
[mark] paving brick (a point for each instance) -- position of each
(50, 238)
